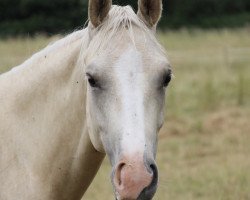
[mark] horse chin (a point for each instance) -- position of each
(139, 198)
(147, 194)
(133, 199)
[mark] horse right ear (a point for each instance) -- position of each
(98, 10)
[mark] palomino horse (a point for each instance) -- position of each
(99, 90)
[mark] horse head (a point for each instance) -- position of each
(127, 73)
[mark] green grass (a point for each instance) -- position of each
(204, 146)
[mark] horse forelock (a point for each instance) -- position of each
(120, 19)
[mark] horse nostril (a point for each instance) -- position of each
(149, 191)
(118, 174)
(155, 175)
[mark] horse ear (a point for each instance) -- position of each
(98, 10)
(150, 11)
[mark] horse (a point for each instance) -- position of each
(98, 91)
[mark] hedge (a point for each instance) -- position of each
(19, 17)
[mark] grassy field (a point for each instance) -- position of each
(204, 147)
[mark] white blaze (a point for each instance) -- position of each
(130, 87)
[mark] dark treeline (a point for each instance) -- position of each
(62, 16)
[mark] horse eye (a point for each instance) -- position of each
(167, 79)
(92, 81)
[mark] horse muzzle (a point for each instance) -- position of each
(135, 179)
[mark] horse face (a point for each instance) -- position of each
(126, 88)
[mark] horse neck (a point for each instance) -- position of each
(50, 115)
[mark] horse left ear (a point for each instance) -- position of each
(150, 11)
(98, 10)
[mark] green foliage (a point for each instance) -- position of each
(32, 16)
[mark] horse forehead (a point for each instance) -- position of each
(129, 60)
(137, 60)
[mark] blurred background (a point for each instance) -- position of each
(62, 16)
(204, 146)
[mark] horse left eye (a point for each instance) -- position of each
(167, 78)
(92, 82)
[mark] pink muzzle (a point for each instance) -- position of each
(131, 177)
